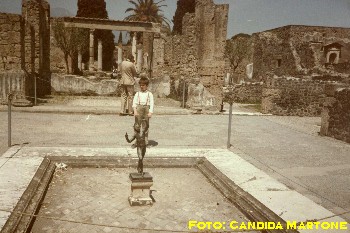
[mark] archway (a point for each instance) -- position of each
(332, 58)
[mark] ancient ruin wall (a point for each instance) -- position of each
(335, 117)
(314, 39)
(175, 57)
(211, 32)
(269, 48)
(10, 42)
(299, 50)
(197, 53)
(36, 54)
(172, 53)
(30, 14)
(293, 96)
(25, 50)
(12, 78)
(248, 92)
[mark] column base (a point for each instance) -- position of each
(140, 189)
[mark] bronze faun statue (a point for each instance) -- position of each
(140, 144)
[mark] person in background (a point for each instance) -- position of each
(127, 81)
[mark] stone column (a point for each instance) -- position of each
(80, 59)
(120, 56)
(139, 58)
(228, 80)
(133, 48)
(91, 51)
(99, 57)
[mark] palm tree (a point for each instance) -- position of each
(147, 11)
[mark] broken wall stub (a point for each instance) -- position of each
(78, 85)
(335, 117)
(10, 42)
(289, 96)
(211, 28)
(36, 16)
(302, 50)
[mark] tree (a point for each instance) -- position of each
(70, 40)
(147, 11)
(237, 49)
(97, 9)
(183, 7)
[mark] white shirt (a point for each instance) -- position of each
(143, 98)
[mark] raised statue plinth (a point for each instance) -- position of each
(140, 189)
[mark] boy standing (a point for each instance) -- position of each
(143, 104)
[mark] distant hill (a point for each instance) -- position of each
(60, 12)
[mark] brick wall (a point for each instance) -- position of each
(335, 117)
(247, 92)
(299, 50)
(36, 53)
(293, 96)
(10, 42)
(211, 32)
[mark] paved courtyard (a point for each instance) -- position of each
(99, 195)
(286, 149)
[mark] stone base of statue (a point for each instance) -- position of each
(140, 189)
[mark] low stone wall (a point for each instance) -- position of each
(290, 96)
(160, 87)
(247, 92)
(194, 93)
(199, 96)
(78, 85)
(15, 83)
(335, 117)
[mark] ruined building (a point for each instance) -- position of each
(198, 54)
(28, 54)
(25, 51)
(295, 64)
(302, 50)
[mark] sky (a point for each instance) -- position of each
(245, 16)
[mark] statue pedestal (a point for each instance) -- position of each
(140, 189)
